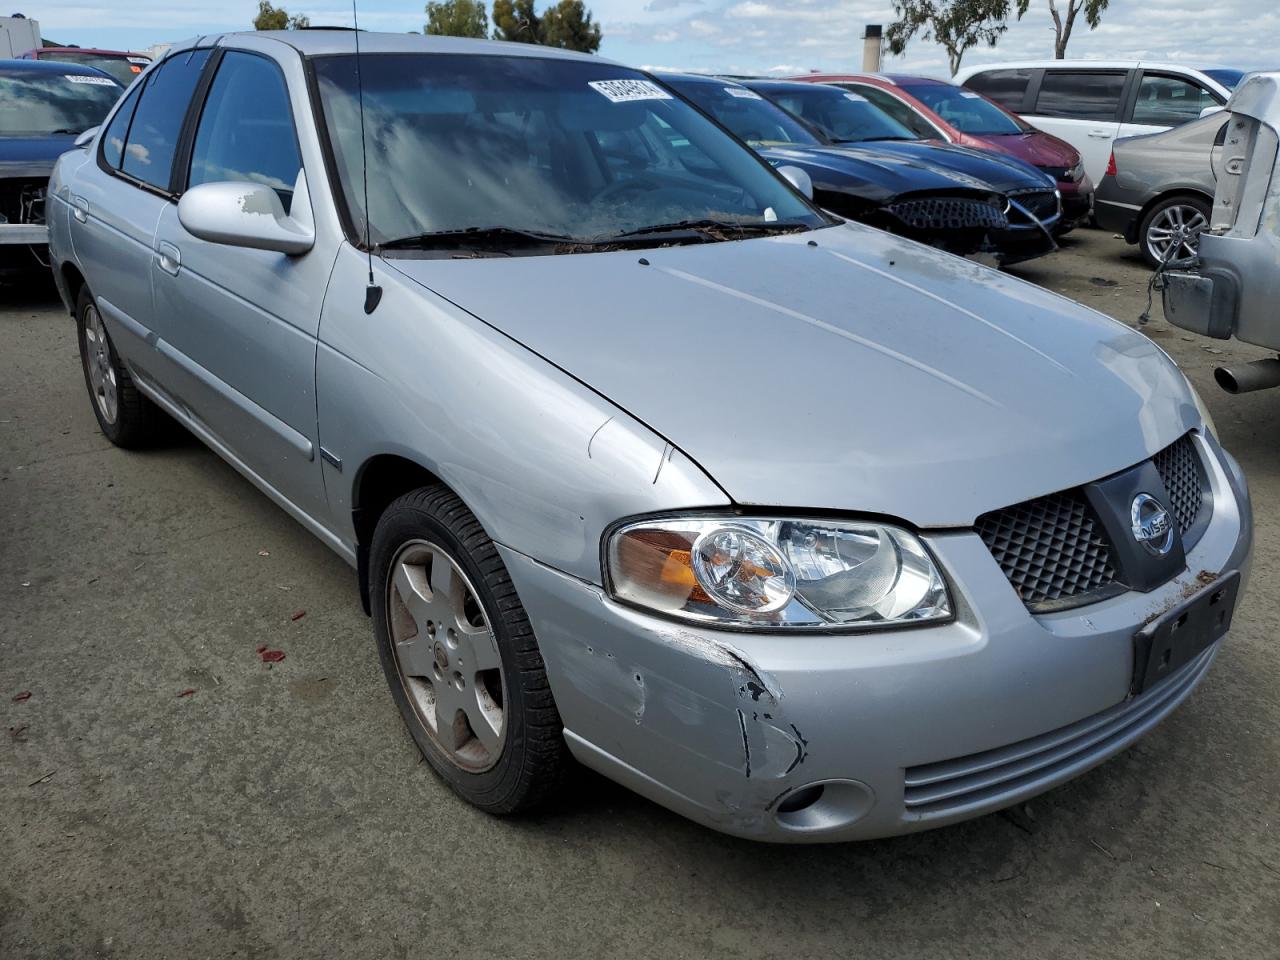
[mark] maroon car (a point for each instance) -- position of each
(939, 110)
(123, 66)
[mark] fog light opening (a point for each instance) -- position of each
(797, 800)
(824, 806)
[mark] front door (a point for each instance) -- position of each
(243, 322)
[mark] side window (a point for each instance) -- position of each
(1006, 87)
(1169, 101)
(158, 117)
(896, 109)
(118, 131)
(1079, 96)
(246, 128)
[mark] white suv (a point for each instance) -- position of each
(1090, 103)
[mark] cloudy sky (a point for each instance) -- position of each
(737, 36)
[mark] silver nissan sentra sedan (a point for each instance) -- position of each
(803, 530)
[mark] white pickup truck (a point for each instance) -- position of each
(1234, 288)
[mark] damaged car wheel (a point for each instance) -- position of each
(460, 655)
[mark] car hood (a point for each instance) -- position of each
(1037, 148)
(999, 171)
(867, 373)
(876, 175)
(32, 156)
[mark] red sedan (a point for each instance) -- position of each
(939, 110)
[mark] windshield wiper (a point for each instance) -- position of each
(715, 229)
(479, 237)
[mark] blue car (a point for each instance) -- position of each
(44, 107)
(868, 167)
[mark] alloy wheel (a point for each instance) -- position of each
(1174, 225)
(447, 655)
(102, 372)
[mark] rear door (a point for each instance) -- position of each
(242, 323)
(1083, 108)
(117, 200)
(1160, 100)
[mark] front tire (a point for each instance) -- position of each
(125, 416)
(460, 656)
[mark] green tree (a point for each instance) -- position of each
(1062, 25)
(568, 24)
(517, 21)
(277, 18)
(457, 18)
(955, 24)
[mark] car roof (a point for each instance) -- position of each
(319, 41)
(50, 67)
(875, 79)
(1090, 64)
(783, 84)
(675, 76)
(91, 50)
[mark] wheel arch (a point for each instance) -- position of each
(72, 281)
(1171, 193)
(380, 479)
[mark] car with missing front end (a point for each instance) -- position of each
(44, 107)
(802, 529)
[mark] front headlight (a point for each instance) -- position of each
(769, 572)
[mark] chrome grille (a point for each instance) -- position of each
(1180, 469)
(948, 213)
(1051, 548)
(1043, 204)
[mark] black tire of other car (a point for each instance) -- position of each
(126, 417)
(1181, 210)
(532, 757)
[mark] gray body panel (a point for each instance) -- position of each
(1155, 166)
(557, 395)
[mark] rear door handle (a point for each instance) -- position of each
(80, 208)
(169, 257)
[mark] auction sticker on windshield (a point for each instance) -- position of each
(628, 91)
(855, 97)
(742, 93)
(97, 81)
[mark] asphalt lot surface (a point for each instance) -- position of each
(280, 809)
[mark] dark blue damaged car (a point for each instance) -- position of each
(44, 106)
(867, 167)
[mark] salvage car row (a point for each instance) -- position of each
(642, 458)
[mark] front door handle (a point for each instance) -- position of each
(1100, 134)
(80, 208)
(169, 257)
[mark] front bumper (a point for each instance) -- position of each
(733, 729)
(1077, 201)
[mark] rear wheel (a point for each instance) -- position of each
(460, 656)
(1169, 232)
(126, 417)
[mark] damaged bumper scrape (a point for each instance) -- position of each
(821, 737)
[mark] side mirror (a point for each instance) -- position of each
(86, 137)
(798, 179)
(1210, 111)
(243, 214)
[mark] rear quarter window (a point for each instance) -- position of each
(1006, 87)
(1083, 95)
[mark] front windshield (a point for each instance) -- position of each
(751, 117)
(122, 67)
(1225, 76)
(965, 110)
(34, 104)
(571, 149)
(843, 116)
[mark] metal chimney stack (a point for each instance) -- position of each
(872, 45)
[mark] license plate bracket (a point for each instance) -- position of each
(1178, 636)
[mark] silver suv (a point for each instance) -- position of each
(804, 530)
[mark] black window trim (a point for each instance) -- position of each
(1131, 100)
(180, 182)
(911, 107)
(1123, 103)
(201, 83)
